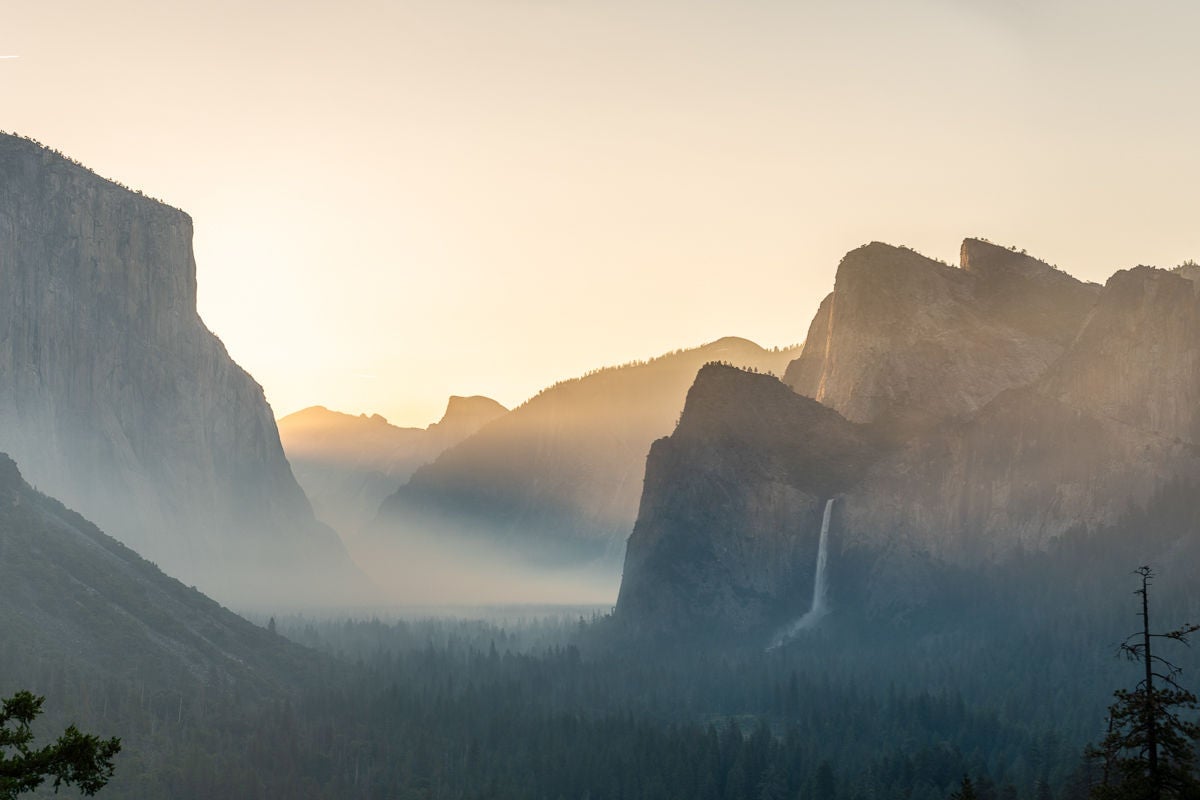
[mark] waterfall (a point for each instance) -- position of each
(819, 607)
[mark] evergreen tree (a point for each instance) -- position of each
(1148, 753)
(75, 759)
(966, 790)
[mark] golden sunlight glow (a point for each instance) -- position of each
(399, 201)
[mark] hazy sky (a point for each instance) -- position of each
(397, 201)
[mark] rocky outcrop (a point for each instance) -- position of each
(116, 398)
(348, 464)
(555, 482)
(464, 416)
(1115, 419)
(1026, 294)
(909, 342)
(726, 535)
(1137, 362)
(1008, 447)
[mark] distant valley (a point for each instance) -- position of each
(543, 497)
(348, 464)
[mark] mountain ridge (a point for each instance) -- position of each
(554, 484)
(986, 457)
(349, 464)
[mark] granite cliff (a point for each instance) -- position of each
(1006, 405)
(1111, 422)
(726, 534)
(117, 399)
(911, 342)
(348, 464)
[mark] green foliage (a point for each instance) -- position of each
(74, 759)
(1124, 750)
(522, 707)
(1149, 752)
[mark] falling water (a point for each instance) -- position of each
(819, 607)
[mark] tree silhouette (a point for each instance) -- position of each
(77, 759)
(1148, 753)
(966, 790)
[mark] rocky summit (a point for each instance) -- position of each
(912, 342)
(726, 535)
(1005, 405)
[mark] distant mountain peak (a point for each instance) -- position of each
(469, 409)
(734, 341)
(348, 464)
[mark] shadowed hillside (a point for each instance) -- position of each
(552, 485)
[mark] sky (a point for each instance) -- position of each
(399, 201)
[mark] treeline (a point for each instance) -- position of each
(86, 168)
(1003, 675)
(451, 709)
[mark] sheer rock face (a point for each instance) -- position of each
(726, 536)
(1137, 362)
(910, 342)
(1021, 453)
(349, 464)
(1026, 294)
(116, 398)
(1114, 419)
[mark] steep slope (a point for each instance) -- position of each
(70, 595)
(911, 342)
(1110, 423)
(726, 535)
(115, 397)
(556, 481)
(1102, 429)
(347, 465)
(1146, 330)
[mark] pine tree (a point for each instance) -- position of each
(76, 758)
(966, 790)
(1148, 753)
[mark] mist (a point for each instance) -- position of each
(436, 565)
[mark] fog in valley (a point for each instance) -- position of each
(599, 401)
